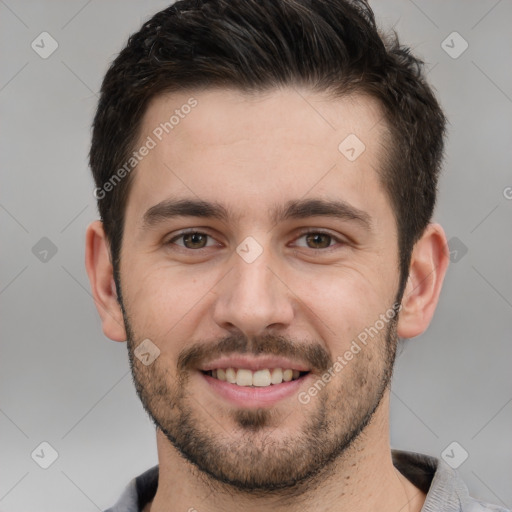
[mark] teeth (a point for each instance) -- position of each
(287, 375)
(231, 375)
(244, 378)
(259, 378)
(277, 376)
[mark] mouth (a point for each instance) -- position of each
(262, 385)
(261, 378)
(249, 383)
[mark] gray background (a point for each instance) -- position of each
(64, 382)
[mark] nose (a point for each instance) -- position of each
(253, 297)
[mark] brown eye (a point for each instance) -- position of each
(194, 240)
(322, 242)
(191, 240)
(318, 240)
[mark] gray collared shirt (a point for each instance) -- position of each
(445, 490)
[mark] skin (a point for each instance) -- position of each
(251, 154)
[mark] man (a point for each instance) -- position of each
(266, 175)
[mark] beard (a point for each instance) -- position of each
(249, 449)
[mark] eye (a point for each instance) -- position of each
(192, 240)
(318, 240)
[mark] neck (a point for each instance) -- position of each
(362, 479)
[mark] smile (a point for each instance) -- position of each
(259, 378)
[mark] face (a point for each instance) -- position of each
(256, 250)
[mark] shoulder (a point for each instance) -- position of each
(443, 485)
(138, 493)
(473, 505)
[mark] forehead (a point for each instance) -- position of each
(226, 116)
(239, 149)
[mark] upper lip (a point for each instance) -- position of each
(254, 363)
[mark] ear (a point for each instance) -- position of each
(101, 276)
(429, 262)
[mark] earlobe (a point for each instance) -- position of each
(100, 271)
(429, 262)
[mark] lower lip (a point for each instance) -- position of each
(253, 397)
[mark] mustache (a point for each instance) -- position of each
(312, 355)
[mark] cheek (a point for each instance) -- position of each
(161, 299)
(344, 303)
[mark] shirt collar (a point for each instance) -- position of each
(444, 488)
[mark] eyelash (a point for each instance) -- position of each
(301, 235)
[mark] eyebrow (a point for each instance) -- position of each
(294, 209)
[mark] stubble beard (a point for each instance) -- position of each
(245, 453)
